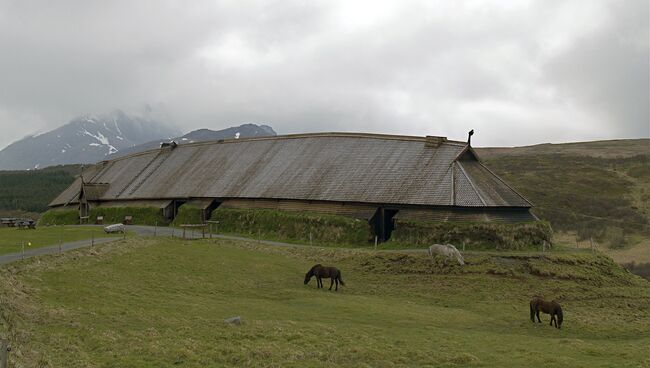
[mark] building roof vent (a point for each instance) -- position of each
(171, 144)
(433, 141)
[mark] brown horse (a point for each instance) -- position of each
(333, 273)
(553, 308)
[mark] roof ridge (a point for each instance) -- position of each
(378, 136)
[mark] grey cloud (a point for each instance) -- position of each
(418, 68)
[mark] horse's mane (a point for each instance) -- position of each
(318, 265)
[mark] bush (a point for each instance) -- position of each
(141, 215)
(289, 226)
(475, 234)
(616, 237)
(59, 217)
(188, 214)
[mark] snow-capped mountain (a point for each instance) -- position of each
(242, 131)
(85, 139)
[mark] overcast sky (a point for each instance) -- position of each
(518, 72)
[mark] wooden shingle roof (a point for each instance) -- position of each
(344, 167)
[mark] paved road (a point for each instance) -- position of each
(141, 230)
(137, 229)
(11, 257)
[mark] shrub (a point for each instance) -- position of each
(59, 217)
(141, 215)
(616, 237)
(475, 234)
(324, 229)
(188, 214)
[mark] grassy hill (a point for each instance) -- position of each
(599, 190)
(27, 193)
(161, 302)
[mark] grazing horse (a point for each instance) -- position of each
(333, 273)
(447, 251)
(553, 308)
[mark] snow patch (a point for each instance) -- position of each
(118, 137)
(117, 126)
(94, 144)
(100, 137)
(63, 150)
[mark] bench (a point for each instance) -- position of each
(26, 224)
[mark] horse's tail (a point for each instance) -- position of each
(341, 279)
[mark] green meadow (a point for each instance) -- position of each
(162, 302)
(12, 239)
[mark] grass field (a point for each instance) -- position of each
(161, 302)
(11, 238)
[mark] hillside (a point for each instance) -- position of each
(162, 302)
(29, 192)
(86, 139)
(600, 190)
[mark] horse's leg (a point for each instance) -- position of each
(337, 284)
(320, 282)
(552, 319)
(538, 320)
(331, 282)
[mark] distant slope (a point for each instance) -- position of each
(242, 131)
(31, 191)
(599, 189)
(86, 139)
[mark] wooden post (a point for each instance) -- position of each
(22, 244)
(172, 233)
(259, 236)
(92, 239)
(4, 353)
(155, 228)
(203, 231)
(310, 238)
(375, 242)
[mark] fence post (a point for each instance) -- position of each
(155, 228)
(375, 242)
(4, 353)
(183, 232)
(92, 239)
(22, 244)
(310, 238)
